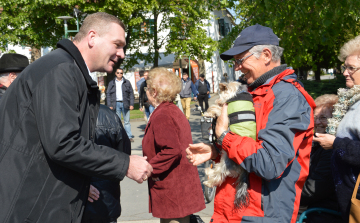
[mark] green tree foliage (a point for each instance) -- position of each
(177, 26)
(311, 32)
(34, 23)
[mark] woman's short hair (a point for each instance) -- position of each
(165, 82)
(349, 48)
(326, 101)
(98, 21)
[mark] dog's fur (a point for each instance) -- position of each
(226, 167)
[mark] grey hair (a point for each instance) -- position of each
(276, 51)
(349, 48)
(4, 75)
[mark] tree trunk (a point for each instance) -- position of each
(318, 73)
(302, 73)
(35, 53)
(156, 47)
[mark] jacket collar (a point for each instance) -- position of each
(71, 49)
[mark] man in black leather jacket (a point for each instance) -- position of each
(104, 196)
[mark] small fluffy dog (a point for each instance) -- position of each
(237, 96)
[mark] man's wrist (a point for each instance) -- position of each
(221, 137)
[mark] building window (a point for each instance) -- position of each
(224, 28)
(143, 30)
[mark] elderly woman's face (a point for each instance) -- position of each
(352, 77)
(321, 114)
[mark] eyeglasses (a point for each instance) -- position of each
(351, 70)
(321, 118)
(119, 73)
(145, 88)
(240, 61)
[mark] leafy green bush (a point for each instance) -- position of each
(315, 89)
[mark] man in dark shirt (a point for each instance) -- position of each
(203, 88)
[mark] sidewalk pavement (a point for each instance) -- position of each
(134, 196)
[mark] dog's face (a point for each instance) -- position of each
(228, 90)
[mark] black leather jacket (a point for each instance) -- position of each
(109, 131)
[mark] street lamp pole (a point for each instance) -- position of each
(66, 18)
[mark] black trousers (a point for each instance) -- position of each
(203, 98)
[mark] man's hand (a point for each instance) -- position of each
(141, 109)
(111, 108)
(195, 98)
(326, 141)
(208, 92)
(94, 194)
(139, 169)
(200, 153)
(222, 122)
(131, 107)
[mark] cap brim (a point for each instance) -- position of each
(227, 55)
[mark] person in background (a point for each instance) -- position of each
(142, 79)
(104, 195)
(174, 187)
(143, 100)
(10, 66)
(142, 74)
(120, 97)
(185, 94)
(48, 117)
(203, 88)
(319, 188)
(344, 129)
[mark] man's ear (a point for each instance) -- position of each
(267, 55)
(91, 38)
(12, 76)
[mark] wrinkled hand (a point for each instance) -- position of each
(200, 153)
(222, 122)
(139, 169)
(326, 141)
(94, 194)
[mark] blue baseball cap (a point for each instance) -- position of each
(249, 37)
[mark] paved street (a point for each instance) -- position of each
(134, 196)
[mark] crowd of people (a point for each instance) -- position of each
(63, 155)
